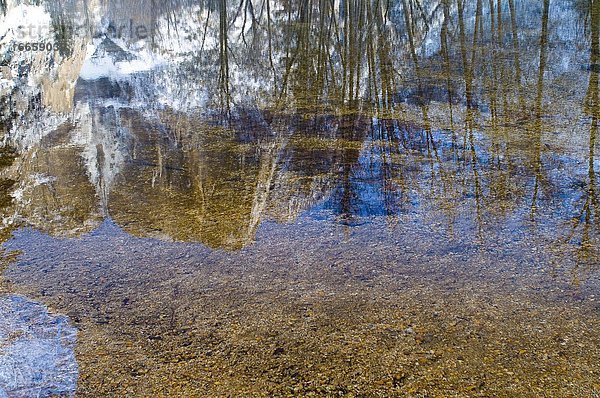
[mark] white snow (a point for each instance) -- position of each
(25, 23)
(99, 66)
(21, 24)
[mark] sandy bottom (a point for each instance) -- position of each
(321, 309)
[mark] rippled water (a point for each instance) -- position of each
(271, 198)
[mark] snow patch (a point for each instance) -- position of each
(25, 23)
(99, 64)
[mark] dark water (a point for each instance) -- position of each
(272, 198)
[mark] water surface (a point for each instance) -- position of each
(317, 198)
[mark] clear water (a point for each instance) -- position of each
(274, 198)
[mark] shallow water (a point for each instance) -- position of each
(289, 199)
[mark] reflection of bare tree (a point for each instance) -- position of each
(468, 66)
(537, 138)
(516, 51)
(590, 211)
(444, 45)
(270, 40)
(223, 55)
(374, 113)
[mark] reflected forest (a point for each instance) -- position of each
(301, 198)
